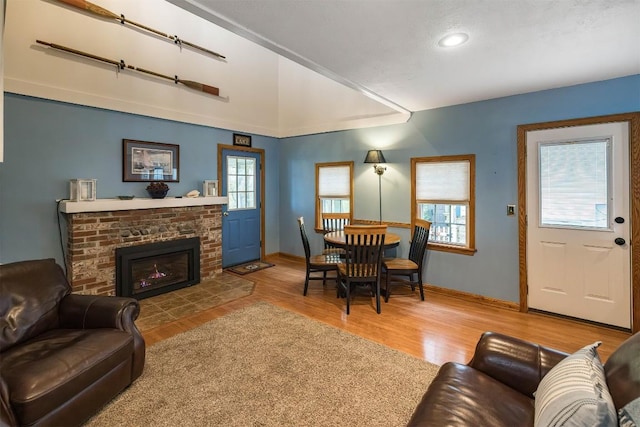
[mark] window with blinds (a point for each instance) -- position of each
(575, 183)
(334, 189)
(444, 196)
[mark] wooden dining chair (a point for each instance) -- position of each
(362, 264)
(410, 267)
(317, 263)
(334, 222)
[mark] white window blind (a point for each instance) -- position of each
(575, 183)
(334, 181)
(443, 181)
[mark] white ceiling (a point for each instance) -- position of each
(389, 48)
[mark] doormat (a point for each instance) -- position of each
(250, 267)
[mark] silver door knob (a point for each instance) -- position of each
(225, 213)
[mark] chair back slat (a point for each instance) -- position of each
(335, 221)
(419, 241)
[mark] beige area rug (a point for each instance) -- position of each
(265, 366)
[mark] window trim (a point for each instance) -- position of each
(471, 214)
(318, 213)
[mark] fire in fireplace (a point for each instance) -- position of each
(151, 269)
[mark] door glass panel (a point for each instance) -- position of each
(575, 184)
(233, 201)
(251, 199)
(250, 166)
(241, 185)
(232, 165)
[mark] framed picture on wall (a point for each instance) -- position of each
(144, 161)
(243, 140)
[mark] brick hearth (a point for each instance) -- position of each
(94, 236)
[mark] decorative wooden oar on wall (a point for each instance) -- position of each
(102, 12)
(120, 65)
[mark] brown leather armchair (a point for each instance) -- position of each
(496, 387)
(62, 356)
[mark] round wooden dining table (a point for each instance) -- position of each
(337, 239)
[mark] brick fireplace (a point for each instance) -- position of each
(96, 229)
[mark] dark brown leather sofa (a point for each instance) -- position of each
(62, 355)
(496, 387)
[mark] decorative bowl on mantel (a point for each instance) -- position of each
(157, 190)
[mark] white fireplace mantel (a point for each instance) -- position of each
(106, 205)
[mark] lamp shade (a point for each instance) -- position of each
(375, 156)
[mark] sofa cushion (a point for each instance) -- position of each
(54, 367)
(575, 393)
(629, 415)
(31, 291)
(623, 371)
(463, 396)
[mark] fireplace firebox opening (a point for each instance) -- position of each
(152, 269)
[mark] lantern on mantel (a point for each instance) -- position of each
(82, 190)
(209, 188)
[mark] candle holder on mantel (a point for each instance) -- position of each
(157, 190)
(210, 188)
(81, 190)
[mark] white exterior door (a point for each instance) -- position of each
(578, 222)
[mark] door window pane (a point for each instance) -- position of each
(241, 184)
(232, 165)
(251, 201)
(575, 184)
(250, 168)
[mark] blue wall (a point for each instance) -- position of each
(487, 129)
(47, 143)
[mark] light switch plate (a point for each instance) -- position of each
(511, 209)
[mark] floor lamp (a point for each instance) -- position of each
(376, 157)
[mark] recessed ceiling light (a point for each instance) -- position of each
(452, 40)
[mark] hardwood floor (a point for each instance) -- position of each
(439, 329)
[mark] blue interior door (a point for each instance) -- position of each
(241, 216)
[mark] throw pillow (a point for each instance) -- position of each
(575, 393)
(629, 415)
